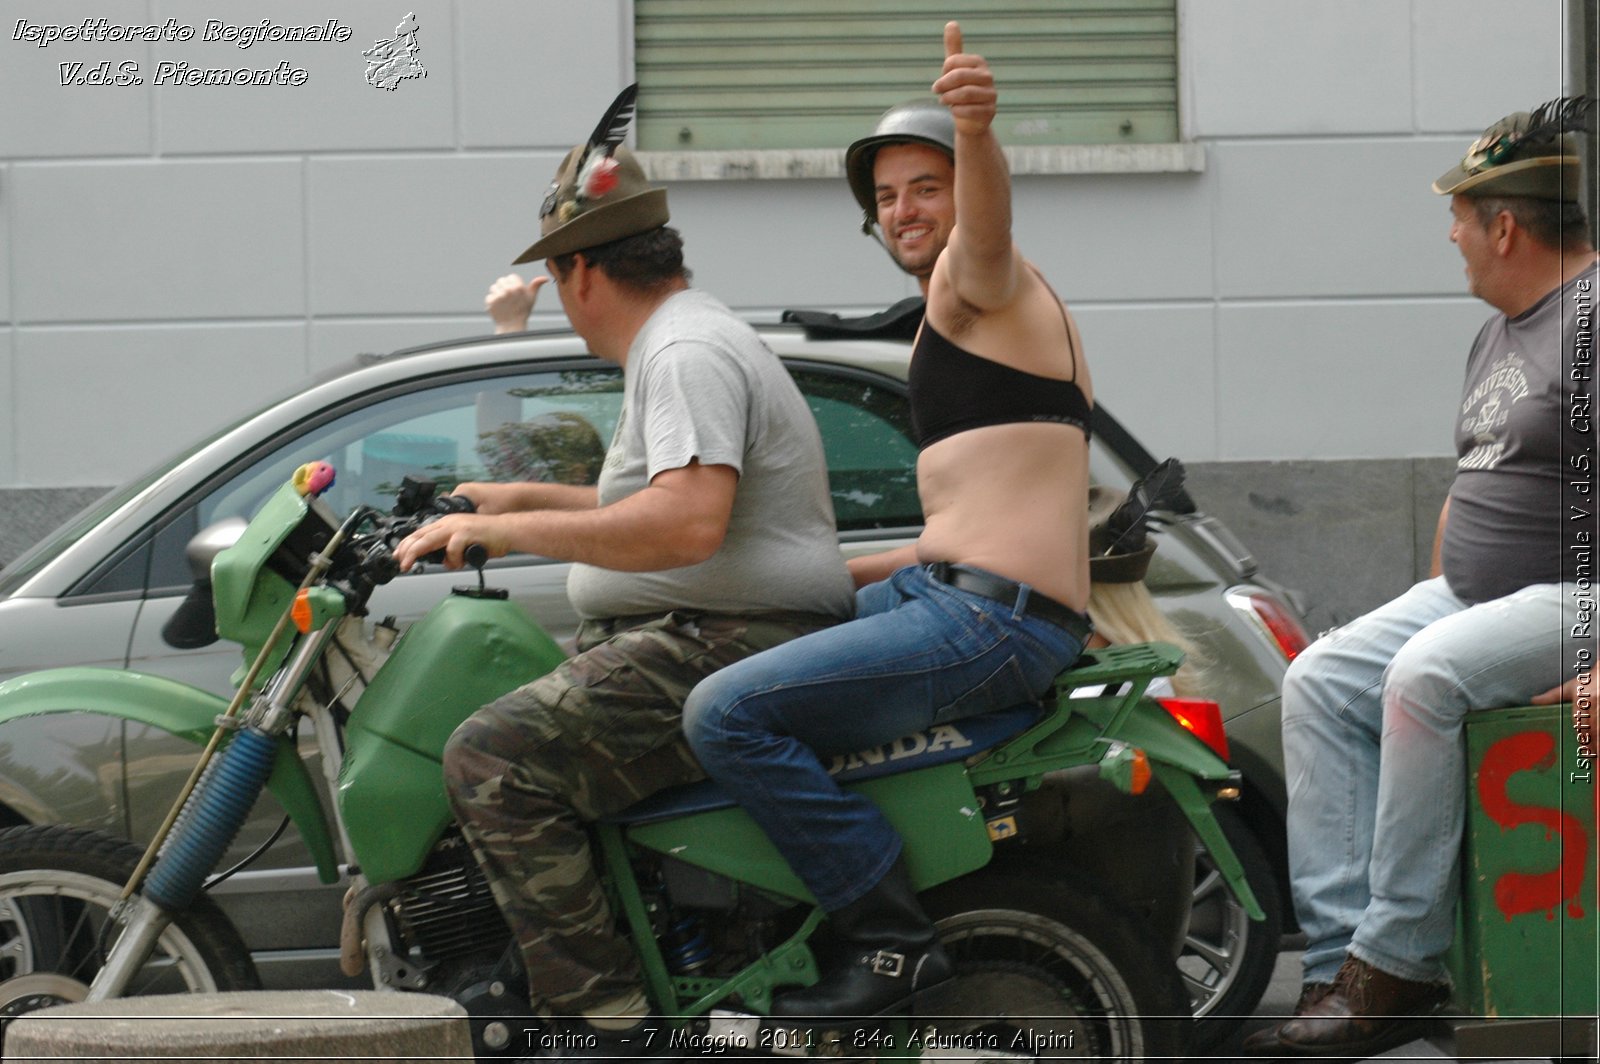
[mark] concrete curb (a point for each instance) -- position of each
(311, 1026)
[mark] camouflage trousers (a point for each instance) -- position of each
(600, 732)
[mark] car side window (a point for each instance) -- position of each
(866, 435)
(552, 426)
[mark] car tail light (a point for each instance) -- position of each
(1274, 618)
(1202, 718)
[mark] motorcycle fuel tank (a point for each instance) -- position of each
(465, 652)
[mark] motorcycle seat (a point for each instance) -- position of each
(938, 745)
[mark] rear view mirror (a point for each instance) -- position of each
(194, 624)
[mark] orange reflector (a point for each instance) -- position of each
(300, 612)
(1139, 779)
(1202, 718)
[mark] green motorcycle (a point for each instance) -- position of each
(1049, 961)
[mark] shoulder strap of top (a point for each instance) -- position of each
(1072, 347)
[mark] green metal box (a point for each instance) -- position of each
(1526, 944)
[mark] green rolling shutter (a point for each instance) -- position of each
(743, 74)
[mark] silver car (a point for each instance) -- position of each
(536, 405)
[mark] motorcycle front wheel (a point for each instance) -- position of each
(1227, 958)
(1046, 968)
(58, 889)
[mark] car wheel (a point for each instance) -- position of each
(1227, 958)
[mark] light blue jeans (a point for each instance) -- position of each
(1375, 841)
(918, 653)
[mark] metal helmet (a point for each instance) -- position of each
(913, 122)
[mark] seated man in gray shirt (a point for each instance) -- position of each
(1374, 841)
(709, 537)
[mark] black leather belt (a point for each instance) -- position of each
(1010, 592)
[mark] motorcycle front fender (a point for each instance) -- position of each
(1177, 759)
(179, 709)
(1180, 761)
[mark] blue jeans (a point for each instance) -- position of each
(1375, 842)
(918, 653)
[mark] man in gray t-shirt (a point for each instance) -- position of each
(1374, 841)
(701, 386)
(710, 537)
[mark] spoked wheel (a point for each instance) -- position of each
(1227, 958)
(58, 889)
(1046, 970)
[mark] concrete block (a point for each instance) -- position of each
(27, 515)
(1430, 484)
(138, 241)
(1296, 67)
(334, 108)
(144, 392)
(73, 119)
(1308, 381)
(1155, 368)
(407, 234)
(322, 1026)
(1342, 533)
(1334, 218)
(541, 75)
(1477, 60)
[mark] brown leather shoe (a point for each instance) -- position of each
(1367, 1012)
(1265, 1042)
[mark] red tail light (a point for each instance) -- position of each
(1276, 620)
(1201, 717)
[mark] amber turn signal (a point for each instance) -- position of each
(300, 612)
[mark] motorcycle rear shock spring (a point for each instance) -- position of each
(685, 946)
(211, 818)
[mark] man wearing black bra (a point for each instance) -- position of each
(986, 608)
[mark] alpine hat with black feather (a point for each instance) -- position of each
(1531, 154)
(600, 193)
(1120, 547)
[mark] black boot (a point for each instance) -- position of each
(893, 954)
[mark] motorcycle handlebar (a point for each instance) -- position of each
(376, 562)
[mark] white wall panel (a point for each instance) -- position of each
(1155, 368)
(1350, 379)
(1118, 236)
(95, 406)
(1480, 59)
(334, 108)
(146, 240)
(539, 74)
(419, 234)
(8, 424)
(334, 343)
(1298, 67)
(6, 242)
(1334, 218)
(782, 244)
(70, 120)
